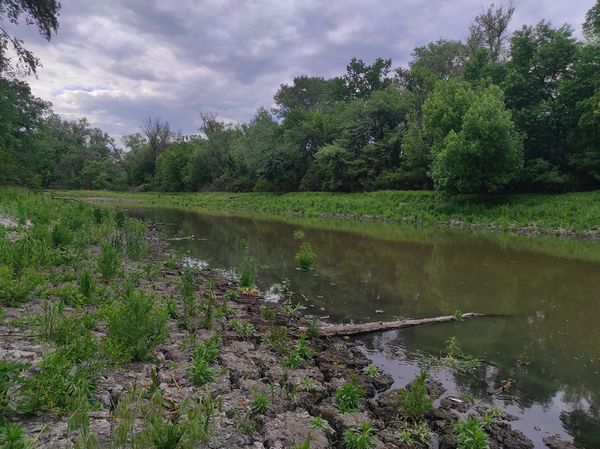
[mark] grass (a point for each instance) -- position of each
(360, 438)
(349, 396)
(575, 212)
(415, 400)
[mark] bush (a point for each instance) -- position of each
(348, 396)
(137, 324)
(415, 400)
(305, 256)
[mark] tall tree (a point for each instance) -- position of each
(591, 26)
(490, 30)
(41, 13)
(362, 79)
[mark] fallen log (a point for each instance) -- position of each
(365, 328)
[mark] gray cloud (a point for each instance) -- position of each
(117, 62)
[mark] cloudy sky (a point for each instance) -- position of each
(118, 61)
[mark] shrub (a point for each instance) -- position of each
(360, 438)
(109, 262)
(137, 324)
(471, 435)
(348, 396)
(305, 256)
(415, 400)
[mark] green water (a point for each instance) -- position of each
(543, 295)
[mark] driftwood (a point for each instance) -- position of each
(365, 328)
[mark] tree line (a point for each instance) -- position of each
(499, 112)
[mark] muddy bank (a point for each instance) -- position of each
(259, 357)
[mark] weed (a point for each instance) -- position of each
(51, 313)
(60, 236)
(360, 438)
(260, 404)
(200, 372)
(415, 433)
(247, 272)
(172, 309)
(299, 234)
(305, 256)
(415, 400)
(307, 384)
(120, 218)
(13, 437)
(348, 396)
(471, 435)
(244, 330)
(491, 416)
(267, 312)
(277, 339)
(15, 396)
(109, 262)
(456, 359)
(208, 349)
(87, 284)
(319, 423)
(170, 263)
(458, 315)
(313, 329)
(372, 371)
(304, 445)
(303, 350)
(136, 324)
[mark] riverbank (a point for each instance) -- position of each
(109, 339)
(574, 215)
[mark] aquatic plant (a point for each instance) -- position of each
(360, 438)
(414, 400)
(305, 256)
(348, 396)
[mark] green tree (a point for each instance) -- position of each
(41, 13)
(476, 148)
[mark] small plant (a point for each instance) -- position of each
(13, 437)
(208, 349)
(303, 350)
(456, 359)
(137, 324)
(244, 330)
(109, 262)
(304, 445)
(360, 438)
(277, 339)
(313, 329)
(172, 309)
(305, 256)
(307, 384)
(491, 416)
(87, 284)
(299, 234)
(458, 315)
(293, 360)
(348, 396)
(415, 433)
(372, 371)
(200, 371)
(120, 219)
(248, 272)
(231, 295)
(415, 400)
(15, 396)
(60, 236)
(260, 403)
(471, 435)
(51, 313)
(319, 423)
(267, 312)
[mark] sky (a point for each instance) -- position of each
(118, 62)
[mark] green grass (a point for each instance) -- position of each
(575, 212)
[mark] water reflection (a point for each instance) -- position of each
(542, 295)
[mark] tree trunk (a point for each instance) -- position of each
(364, 328)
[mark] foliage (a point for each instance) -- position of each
(471, 435)
(348, 396)
(360, 438)
(136, 324)
(305, 256)
(260, 404)
(415, 400)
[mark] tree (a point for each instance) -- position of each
(41, 13)
(490, 31)
(591, 26)
(476, 147)
(308, 93)
(362, 79)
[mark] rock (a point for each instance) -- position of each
(503, 436)
(291, 428)
(556, 442)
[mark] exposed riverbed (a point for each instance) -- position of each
(541, 344)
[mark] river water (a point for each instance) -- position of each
(543, 295)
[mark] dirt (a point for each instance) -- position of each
(244, 366)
